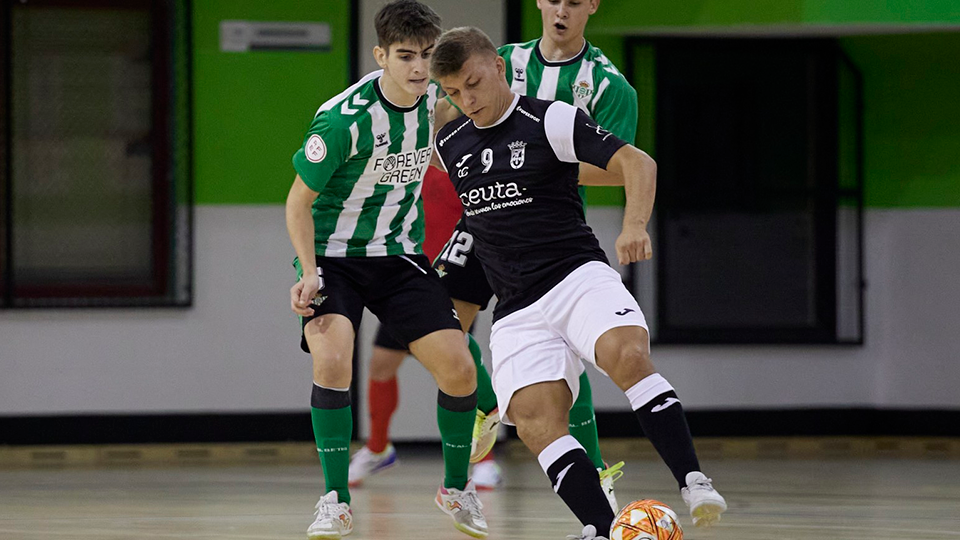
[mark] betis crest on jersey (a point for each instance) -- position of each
(517, 151)
(582, 89)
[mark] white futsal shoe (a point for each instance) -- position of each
(589, 533)
(366, 463)
(487, 475)
(465, 509)
(705, 503)
(485, 429)
(607, 477)
(334, 519)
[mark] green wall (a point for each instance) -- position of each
(911, 81)
(619, 16)
(911, 118)
(251, 109)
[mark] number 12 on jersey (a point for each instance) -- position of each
(458, 247)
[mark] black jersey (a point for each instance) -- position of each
(517, 180)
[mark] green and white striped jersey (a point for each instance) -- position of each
(588, 81)
(366, 157)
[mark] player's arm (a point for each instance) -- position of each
(325, 147)
(591, 175)
(639, 174)
(576, 138)
(300, 228)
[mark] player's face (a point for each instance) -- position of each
(565, 20)
(479, 88)
(407, 63)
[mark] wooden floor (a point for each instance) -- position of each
(843, 499)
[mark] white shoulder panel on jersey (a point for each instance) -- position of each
(519, 58)
(596, 97)
(558, 125)
(332, 102)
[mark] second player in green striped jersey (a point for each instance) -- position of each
(355, 220)
(367, 157)
(588, 81)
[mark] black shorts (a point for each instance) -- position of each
(401, 290)
(460, 271)
(386, 340)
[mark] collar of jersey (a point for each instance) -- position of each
(506, 114)
(576, 58)
(390, 104)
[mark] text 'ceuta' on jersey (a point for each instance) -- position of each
(517, 180)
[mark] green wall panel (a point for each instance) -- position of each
(618, 16)
(886, 11)
(911, 118)
(251, 109)
(911, 109)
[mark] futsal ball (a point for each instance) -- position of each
(646, 520)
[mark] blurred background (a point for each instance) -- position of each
(805, 276)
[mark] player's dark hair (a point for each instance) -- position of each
(456, 46)
(404, 20)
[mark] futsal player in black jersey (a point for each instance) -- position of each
(514, 161)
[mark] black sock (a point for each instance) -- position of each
(664, 423)
(577, 482)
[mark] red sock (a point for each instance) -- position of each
(382, 397)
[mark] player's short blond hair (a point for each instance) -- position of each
(455, 47)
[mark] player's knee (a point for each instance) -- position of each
(329, 357)
(634, 356)
(385, 363)
(536, 429)
(331, 364)
(459, 375)
(632, 365)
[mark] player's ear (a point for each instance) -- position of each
(594, 4)
(380, 55)
(501, 66)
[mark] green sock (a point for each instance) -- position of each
(486, 399)
(455, 417)
(332, 429)
(583, 422)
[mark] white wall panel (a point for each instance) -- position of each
(237, 349)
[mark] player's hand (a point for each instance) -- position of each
(302, 293)
(633, 245)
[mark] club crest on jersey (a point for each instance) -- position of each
(582, 90)
(517, 151)
(383, 139)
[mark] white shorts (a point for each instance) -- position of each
(546, 340)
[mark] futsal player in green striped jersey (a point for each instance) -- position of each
(355, 219)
